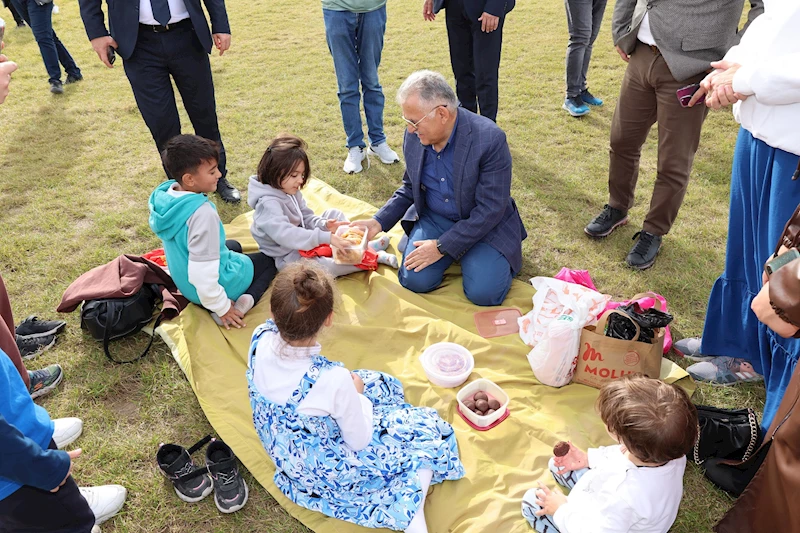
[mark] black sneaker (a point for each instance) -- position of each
(228, 192)
(644, 252)
(73, 78)
(607, 221)
(230, 490)
(33, 327)
(56, 87)
(45, 380)
(190, 481)
(30, 347)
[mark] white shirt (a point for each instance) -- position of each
(645, 35)
(177, 11)
(769, 53)
(279, 368)
(616, 496)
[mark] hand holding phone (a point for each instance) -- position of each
(685, 93)
(112, 55)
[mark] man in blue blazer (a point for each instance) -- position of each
(455, 202)
(159, 39)
(475, 34)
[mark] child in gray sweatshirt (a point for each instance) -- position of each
(283, 224)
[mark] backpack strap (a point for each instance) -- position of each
(114, 310)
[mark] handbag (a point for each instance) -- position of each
(108, 319)
(725, 434)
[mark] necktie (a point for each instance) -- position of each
(161, 11)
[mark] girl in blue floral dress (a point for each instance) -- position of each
(344, 444)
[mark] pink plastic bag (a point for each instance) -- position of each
(580, 277)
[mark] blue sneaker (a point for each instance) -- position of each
(590, 99)
(575, 106)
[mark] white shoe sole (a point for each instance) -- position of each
(235, 507)
(565, 108)
(370, 151)
(187, 499)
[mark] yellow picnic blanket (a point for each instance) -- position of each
(382, 326)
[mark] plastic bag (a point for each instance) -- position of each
(553, 360)
(623, 324)
(647, 301)
(581, 277)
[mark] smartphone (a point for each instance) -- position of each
(112, 55)
(685, 93)
(782, 260)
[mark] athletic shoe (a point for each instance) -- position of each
(384, 153)
(33, 327)
(724, 371)
(690, 349)
(177, 465)
(30, 347)
(352, 165)
(575, 106)
(96, 529)
(66, 431)
(644, 252)
(73, 78)
(230, 490)
(56, 87)
(590, 99)
(45, 380)
(609, 219)
(105, 501)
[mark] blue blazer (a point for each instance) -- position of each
(482, 186)
(123, 21)
(475, 8)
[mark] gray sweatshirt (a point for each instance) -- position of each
(283, 223)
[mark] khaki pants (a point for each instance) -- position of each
(8, 340)
(648, 96)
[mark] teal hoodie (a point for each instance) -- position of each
(168, 219)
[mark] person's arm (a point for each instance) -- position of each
(772, 80)
(219, 16)
(403, 198)
(495, 7)
(621, 19)
(310, 219)
(93, 18)
(25, 462)
(204, 242)
(275, 224)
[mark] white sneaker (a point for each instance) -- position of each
(96, 529)
(352, 165)
(384, 153)
(66, 431)
(105, 501)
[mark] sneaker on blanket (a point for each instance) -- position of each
(230, 490)
(724, 371)
(177, 465)
(33, 327)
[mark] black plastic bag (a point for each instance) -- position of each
(623, 326)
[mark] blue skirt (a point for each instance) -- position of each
(763, 198)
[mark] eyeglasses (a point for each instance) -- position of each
(416, 124)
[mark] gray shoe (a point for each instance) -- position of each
(689, 348)
(607, 221)
(724, 371)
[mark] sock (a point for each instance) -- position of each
(244, 303)
(418, 524)
(385, 258)
(380, 244)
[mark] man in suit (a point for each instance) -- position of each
(455, 201)
(475, 33)
(668, 45)
(158, 39)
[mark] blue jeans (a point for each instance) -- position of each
(486, 272)
(544, 523)
(583, 22)
(356, 42)
(39, 18)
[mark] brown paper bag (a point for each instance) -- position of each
(602, 359)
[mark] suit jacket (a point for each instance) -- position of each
(482, 186)
(475, 8)
(123, 21)
(689, 33)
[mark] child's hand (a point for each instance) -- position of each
(358, 382)
(549, 500)
(73, 454)
(233, 317)
(332, 224)
(338, 242)
(574, 460)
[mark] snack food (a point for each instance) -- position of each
(480, 395)
(494, 405)
(353, 254)
(482, 404)
(561, 449)
(353, 235)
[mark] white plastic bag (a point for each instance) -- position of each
(554, 358)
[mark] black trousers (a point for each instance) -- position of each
(176, 54)
(30, 510)
(475, 57)
(264, 270)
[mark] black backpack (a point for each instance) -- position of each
(114, 318)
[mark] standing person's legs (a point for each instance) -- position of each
(486, 51)
(486, 275)
(191, 70)
(14, 13)
(429, 226)
(635, 114)
(371, 29)
(598, 9)
(8, 342)
(65, 58)
(39, 18)
(459, 37)
(340, 32)
(579, 25)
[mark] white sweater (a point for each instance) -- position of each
(769, 54)
(279, 368)
(616, 496)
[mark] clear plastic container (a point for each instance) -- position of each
(352, 255)
(493, 391)
(447, 364)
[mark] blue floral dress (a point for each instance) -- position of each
(376, 487)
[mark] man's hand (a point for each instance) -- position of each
(73, 454)
(233, 317)
(489, 22)
(358, 382)
(425, 255)
(549, 500)
(427, 10)
(762, 307)
(6, 68)
(222, 41)
(101, 45)
(332, 224)
(574, 460)
(625, 57)
(372, 226)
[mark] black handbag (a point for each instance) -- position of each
(725, 434)
(114, 318)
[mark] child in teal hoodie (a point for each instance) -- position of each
(206, 271)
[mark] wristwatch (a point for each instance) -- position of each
(439, 247)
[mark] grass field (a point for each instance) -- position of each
(77, 170)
